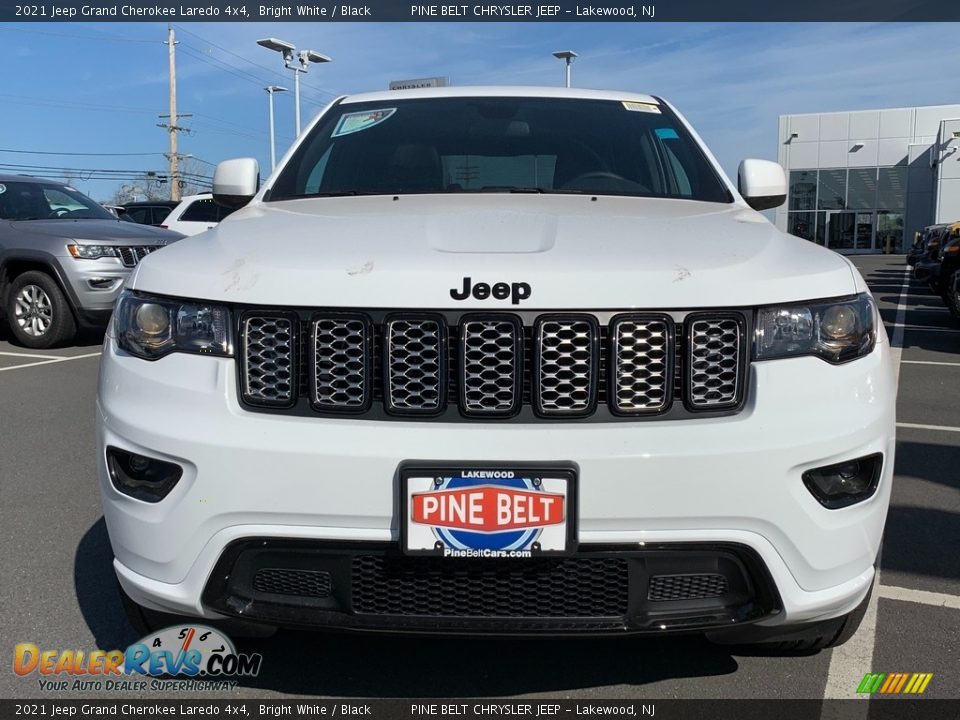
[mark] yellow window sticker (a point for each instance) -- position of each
(357, 121)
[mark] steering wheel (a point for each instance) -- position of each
(59, 212)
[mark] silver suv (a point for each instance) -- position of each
(63, 259)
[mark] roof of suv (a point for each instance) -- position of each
(7, 177)
(501, 91)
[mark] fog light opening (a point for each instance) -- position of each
(141, 477)
(844, 484)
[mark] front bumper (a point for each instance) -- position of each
(723, 481)
(94, 285)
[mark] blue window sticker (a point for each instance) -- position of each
(357, 121)
(667, 134)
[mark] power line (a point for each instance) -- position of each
(98, 37)
(256, 65)
(80, 154)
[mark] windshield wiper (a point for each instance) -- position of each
(512, 189)
(334, 193)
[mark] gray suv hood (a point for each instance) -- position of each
(104, 232)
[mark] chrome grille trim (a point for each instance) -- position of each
(566, 365)
(131, 255)
(715, 361)
(341, 359)
(642, 355)
(415, 363)
(491, 365)
(268, 359)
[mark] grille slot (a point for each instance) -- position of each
(286, 581)
(341, 359)
(642, 357)
(715, 354)
(571, 587)
(490, 366)
(686, 587)
(565, 370)
(269, 375)
(415, 362)
(130, 256)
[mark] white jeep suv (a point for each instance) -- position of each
(511, 360)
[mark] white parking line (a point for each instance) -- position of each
(33, 355)
(855, 657)
(919, 426)
(921, 328)
(49, 362)
(930, 362)
(892, 592)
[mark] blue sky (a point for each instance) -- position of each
(98, 88)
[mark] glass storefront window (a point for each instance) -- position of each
(862, 189)
(890, 232)
(803, 190)
(892, 189)
(801, 224)
(832, 190)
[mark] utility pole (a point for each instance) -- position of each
(173, 156)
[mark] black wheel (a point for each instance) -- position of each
(951, 293)
(37, 311)
(800, 639)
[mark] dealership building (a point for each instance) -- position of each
(865, 181)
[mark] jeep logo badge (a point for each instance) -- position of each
(500, 291)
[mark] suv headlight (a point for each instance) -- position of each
(151, 327)
(91, 252)
(835, 330)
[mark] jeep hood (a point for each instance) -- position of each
(102, 232)
(575, 252)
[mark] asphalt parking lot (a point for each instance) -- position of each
(58, 586)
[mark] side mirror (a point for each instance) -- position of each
(762, 183)
(235, 182)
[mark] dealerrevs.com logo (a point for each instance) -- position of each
(182, 657)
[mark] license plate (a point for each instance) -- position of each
(487, 511)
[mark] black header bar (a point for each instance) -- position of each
(533, 11)
(482, 709)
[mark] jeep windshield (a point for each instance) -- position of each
(500, 145)
(46, 201)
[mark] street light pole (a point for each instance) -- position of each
(567, 56)
(271, 89)
(299, 62)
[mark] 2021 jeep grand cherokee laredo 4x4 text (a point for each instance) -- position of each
(499, 360)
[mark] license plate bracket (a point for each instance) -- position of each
(488, 510)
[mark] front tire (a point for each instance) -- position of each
(38, 312)
(951, 294)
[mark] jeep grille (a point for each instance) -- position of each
(494, 366)
(130, 256)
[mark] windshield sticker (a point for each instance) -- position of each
(641, 107)
(355, 122)
(667, 134)
(3, 188)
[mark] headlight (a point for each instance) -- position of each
(151, 327)
(92, 252)
(836, 330)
